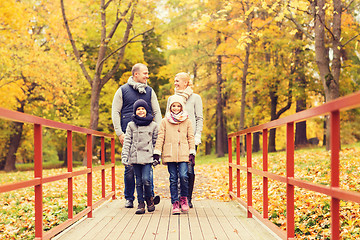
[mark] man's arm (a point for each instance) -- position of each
(115, 114)
(155, 107)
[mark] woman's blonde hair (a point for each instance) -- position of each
(185, 77)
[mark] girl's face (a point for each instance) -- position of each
(141, 112)
(176, 108)
(180, 84)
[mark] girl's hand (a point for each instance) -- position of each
(192, 159)
(156, 160)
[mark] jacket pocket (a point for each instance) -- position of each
(167, 150)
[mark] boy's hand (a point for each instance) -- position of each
(156, 158)
(192, 159)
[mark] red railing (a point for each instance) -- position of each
(39, 180)
(333, 109)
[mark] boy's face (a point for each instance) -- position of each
(141, 112)
(176, 108)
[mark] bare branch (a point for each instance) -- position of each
(76, 52)
(298, 26)
(121, 50)
(107, 4)
(347, 7)
(354, 37)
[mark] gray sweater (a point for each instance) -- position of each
(139, 143)
(194, 108)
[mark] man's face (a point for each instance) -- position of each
(142, 75)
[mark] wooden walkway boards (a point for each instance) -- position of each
(209, 219)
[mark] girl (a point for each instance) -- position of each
(177, 146)
(140, 138)
(193, 106)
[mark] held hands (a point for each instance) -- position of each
(192, 159)
(156, 158)
(125, 162)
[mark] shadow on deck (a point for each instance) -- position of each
(209, 219)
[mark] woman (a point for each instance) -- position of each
(193, 106)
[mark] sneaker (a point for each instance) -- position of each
(141, 208)
(176, 209)
(156, 200)
(150, 204)
(184, 204)
(129, 204)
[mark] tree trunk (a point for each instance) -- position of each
(256, 142)
(14, 142)
(300, 127)
(243, 87)
(94, 104)
(255, 121)
(208, 145)
(13, 147)
(272, 132)
(329, 78)
(221, 134)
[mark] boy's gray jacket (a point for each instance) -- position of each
(139, 143)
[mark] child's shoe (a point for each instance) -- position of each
(150, 204)
(176, 209)
(141, 208)
(184, 204)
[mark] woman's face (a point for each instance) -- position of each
(180, 84)
(141, 112)
(175, 107)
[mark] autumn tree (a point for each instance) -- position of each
(117, 30)
(37, 78)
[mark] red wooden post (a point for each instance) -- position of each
(265, 179)
(113, 167)
(103, 170)
(38, 166)
(290, 194)
(249, 174)
(70, 179)
(335, 172)
(238, 163)
(89, 175)
(230, 161)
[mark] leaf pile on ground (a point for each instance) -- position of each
(312, 210)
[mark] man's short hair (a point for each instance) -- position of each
(136, 68)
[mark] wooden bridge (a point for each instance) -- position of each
(209, 219)
(108, 219)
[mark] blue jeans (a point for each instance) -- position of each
(129, 182)
(178, 170)
(143, 181)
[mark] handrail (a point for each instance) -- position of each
(333, 108)
(39, 180)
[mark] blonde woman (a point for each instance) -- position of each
(194, 108)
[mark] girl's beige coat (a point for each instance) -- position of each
(175, 141)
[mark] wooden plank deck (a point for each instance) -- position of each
(209, 219)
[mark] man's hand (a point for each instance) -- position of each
(121, 138)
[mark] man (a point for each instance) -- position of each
(122, 110)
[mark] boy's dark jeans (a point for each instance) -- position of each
(143, 181)
(129, 181)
